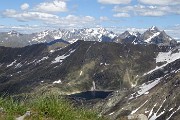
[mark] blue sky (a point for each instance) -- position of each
(116, 15)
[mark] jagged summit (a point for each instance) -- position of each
(154, 28)
(125, 34)
(136, 33)
(154, 36)
(13, 33)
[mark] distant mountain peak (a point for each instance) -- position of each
(136, 33)
(126, 33)
(154, 28)
(13, 33)
(154, 36)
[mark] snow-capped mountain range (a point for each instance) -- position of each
(152, 36)
(86, 34)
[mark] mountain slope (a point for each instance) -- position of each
(157, 97)
(109, 65)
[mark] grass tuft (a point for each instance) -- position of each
(45, 107)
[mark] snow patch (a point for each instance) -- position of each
(94, 86)
(134, 111)
(153, 28)
(146, 87)
(111, 113)
(18, 72)
(88, 49)
(132, 96)
(44, 58)
(80, 73)
(146, 93)
(155, 116)
(151, 37)
(57, 82)
(18, 65)
(152, 110)
(62, 57)
(134, 33)
(146, 111)
(32, 62)
(51, 51)
(157, 68)
(171, 109)
(12, 63)
(167, 57)
(106, 64)
(133, 84)
(173, 113)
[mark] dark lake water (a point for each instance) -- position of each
(88, 95)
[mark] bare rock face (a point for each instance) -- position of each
(28, 113)
(137, 117)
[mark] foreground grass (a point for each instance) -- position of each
(44, 108)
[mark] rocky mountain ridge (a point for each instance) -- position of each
(77, 66)
(151, 36)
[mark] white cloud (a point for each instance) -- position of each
(173, 31)
(102, 7)
(27, 16)
(54, 6)
(51, 19)
(24, 28)
(2, 26)
(142, 10)
(77, 21)
(24, 6)
(160, 2)
(103, 18)
(121, 15)
(120, 30)
(141, 30)
(114, 1)
(9, 12)
(153, 13)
